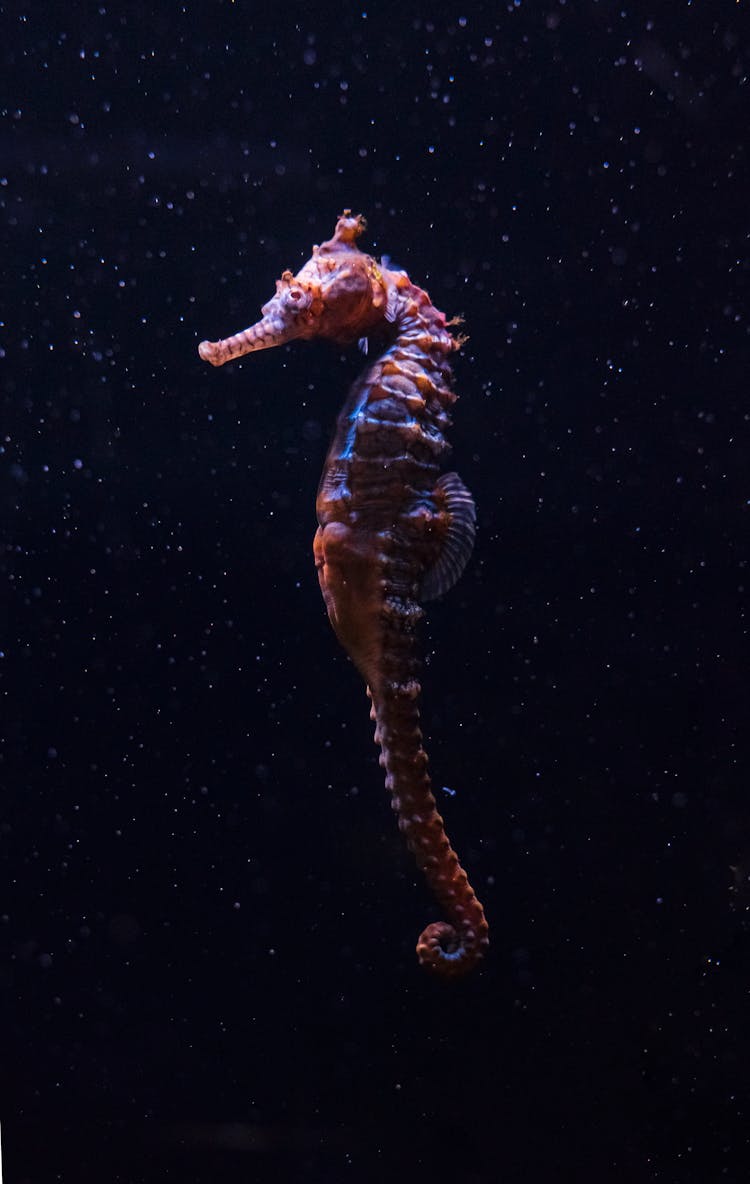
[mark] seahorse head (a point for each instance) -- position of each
(340, 294)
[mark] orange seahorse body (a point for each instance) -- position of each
(392, 531)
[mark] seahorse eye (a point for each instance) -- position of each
(299, 299)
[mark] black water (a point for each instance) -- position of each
(207, 919)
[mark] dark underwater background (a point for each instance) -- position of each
(207, 916)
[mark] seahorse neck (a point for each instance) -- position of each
(418, 348)
(420, 328)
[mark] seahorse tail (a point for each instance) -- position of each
(443, 951)
(448, 948)
(454, 947)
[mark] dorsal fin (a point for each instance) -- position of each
(459, 539)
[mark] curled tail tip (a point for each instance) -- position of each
(444, 952)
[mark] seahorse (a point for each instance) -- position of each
(392, 532)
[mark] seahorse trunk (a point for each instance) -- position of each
(449, 948)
